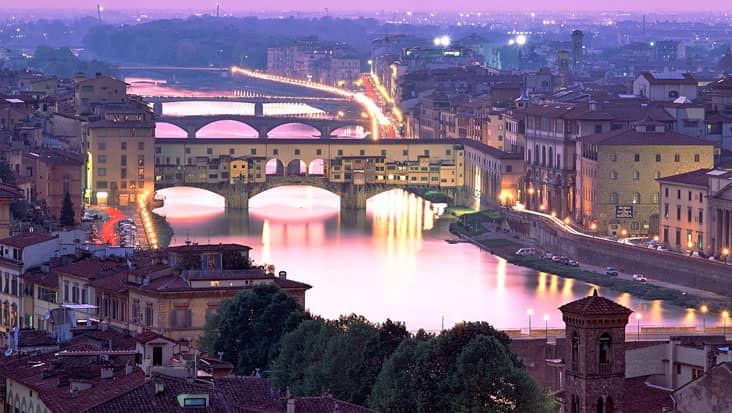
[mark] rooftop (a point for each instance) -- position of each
(631, 136)
(595, 305)
(698, 178)
(26, 239)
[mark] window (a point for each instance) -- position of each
(123, 160)
(614, 157)
(636, 198)
(297, 151)
(613, 175)
(678, 194)
(148, 314)
(666, 192)
(102, 171)
(253, 151)
(426, 152)
(613, 197)
(140, 160)
(689, 195)
(688, 214)
(636, 157)
(665, 210)
(678, 212)
(658, 157)
(654, 198)
(673, 94)
(275, 151)
(636, 175)
(123, 173)
(677, 158)
(362, 152)
(604, 351)
(509, 168)
(67, 290)
(701, 216)
(209, 151)
(232, 151)
(696, 157)
(123, 146)
(340, 152)
(102, 158)
(102, 146)
(598, 128)
(140, 146)
(575, 349)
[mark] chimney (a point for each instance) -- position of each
(107, 373)
(283, 275)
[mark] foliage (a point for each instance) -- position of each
(342, 356)
(248, 326)
(6, 172)
(468, 368)
(67, 211)
(63, 63)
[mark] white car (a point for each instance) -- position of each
(640, 278)
(525, 251)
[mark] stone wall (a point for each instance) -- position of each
(660, 265)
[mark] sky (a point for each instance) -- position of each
(377, 5)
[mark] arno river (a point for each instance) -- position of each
(390, 261)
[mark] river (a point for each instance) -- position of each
(389, 261)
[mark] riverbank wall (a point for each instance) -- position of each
(664, 266)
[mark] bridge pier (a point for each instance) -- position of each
(191, 131)
(258, 109)
(238, 197)
(158, 108)
(353, 197)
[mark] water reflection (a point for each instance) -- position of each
(391, 261)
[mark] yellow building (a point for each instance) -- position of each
(684, 211)
(97, 90)
(120, 158)
(617, 192)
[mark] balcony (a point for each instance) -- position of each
(605, 368)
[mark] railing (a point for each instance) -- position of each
(605, 368)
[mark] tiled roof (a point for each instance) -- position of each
(638, 397)
(630, 136)
(697, 178)
(150, 336)
(10, 192)
(724, 83)
(594, 305)
(683, 79)
(26, 239)
(287, 284)
(34, 338)
(126, 124)
(92, 268)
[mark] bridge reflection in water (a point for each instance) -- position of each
(390, 260)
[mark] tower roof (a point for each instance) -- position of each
(595, 305)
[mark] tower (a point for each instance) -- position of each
(563, 63)
(577, 50)
(594, 355)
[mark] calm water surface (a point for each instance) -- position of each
(390, 261)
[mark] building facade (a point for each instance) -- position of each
(684, 211)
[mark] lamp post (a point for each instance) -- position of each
(638, 317)
(725, 254)
(546, 326)
(704, 310)
(530, 312)
(725, 316)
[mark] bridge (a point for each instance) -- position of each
(175, 68)
(332, 105)
(264, 124)
(355, 169)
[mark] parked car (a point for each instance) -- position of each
(564, 260)
(573, 263)
(526, 251)
(611, 271)
(547, 256)
(640, 278)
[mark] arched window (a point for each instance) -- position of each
(604, 348)
(551, 157)
(536, 154)
(613, 175)
(636, 175)
(543, 156)
(575, 347)
(613, 197)
(600, 405)
(528, 156)
(636, 198)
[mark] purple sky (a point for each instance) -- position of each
(456, 5)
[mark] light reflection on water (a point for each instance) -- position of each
(390, 261)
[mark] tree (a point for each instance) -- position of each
(6, 172)
(247, 327)
(67, 211)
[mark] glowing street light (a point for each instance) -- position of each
(725, 254)
(566, 221)
(725, 316)
(704, 310)
(638, 317)
(593, 226)
(521, 40)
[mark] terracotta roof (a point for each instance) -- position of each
(92, 268)
(658, 79)
(630, 136)
(724, 83)
(638, 397)
(594, 305)
(288, 284)
(48, 280)
(10, 192)
(127, 124)
(26, 239)
(34, 338)
(698, 178)
(150, 336)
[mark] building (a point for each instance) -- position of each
(18, 254)
(684, 211)
(120, 151)
(315, 60)
(594, 364)
(617, 192)
(97, 90)
(171, 292)
(54, 174)
(8, 193)
(665, 86)
(706, 394)
(720, 213)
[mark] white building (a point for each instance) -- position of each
(665, 87)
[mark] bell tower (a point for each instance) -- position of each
(594, 355)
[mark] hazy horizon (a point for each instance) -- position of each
(653, 6)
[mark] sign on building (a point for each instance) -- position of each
(624, 211)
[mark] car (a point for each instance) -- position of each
(662, 248)
(547, 256)
(573, 263)
(564, 260)
(523, 252)
(640, 278)
(611, 271)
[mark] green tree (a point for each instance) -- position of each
(247, 327)
(67, 211)
(6, 172)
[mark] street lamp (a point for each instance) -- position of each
(624, 232)
(530, 312)
(546, 326)
(704, 310)
(638, 317)
(725, 253)
(566, 221)
(725, 316)
(593, 227)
